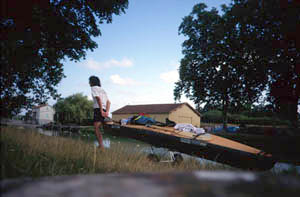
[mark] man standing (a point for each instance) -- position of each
(101, 106)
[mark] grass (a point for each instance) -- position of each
(26, 153)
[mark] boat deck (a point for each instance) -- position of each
(209, 138)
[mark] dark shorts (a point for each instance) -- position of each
(98, 116)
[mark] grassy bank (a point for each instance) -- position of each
(26, 153)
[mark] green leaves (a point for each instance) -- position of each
(74, 109)
(270, 30)
(36, 36)
(233, 58)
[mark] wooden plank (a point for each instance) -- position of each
(213, 139)
(232, 144)
(171, 129)
(153, 129)
(184, 133)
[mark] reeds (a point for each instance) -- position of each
(27, 153)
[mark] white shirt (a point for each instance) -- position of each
(98, 91)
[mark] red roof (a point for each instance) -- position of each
(151, 108)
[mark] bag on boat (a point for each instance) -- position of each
(170, 123)
(143, 120)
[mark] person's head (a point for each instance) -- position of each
(94, 81)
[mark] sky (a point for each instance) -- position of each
(138, 54)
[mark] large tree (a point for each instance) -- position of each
(271, 29)
(231, 59)
(73, 109)
(36, 36)
(216, 69)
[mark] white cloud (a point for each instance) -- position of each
(95, 65)
(170, 77)
(116, 79)
(175, 64)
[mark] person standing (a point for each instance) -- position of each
(101, 106)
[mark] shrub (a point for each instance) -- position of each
(216, 116)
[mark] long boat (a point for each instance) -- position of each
(208, 146)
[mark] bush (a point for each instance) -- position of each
(87, 122)
(216, 116)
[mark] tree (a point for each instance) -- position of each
(251, 48)
(217, 69)
(272, 28)
(36, 36)
(73, 109)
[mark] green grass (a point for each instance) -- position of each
(26, 153)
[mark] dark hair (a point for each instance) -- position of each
(94, 81)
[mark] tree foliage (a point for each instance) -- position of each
(36, 36)
(272, 28)
(217, 69)
(230, 59)
(73, 109)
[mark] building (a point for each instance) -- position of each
(43, 114)
(179, 113)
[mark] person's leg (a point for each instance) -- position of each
(97, 126)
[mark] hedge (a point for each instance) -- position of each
(217, 117)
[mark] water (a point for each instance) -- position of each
(134, 146)
(281, 167)
(108, 140)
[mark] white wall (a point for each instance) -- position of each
(45, 115)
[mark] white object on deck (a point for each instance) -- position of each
(189, 128)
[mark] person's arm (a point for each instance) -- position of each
(107, 107)
(100, 106)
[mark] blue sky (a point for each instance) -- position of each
(138, 54)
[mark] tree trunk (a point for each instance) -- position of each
(287, 95)
(294, 114)
(225, 109)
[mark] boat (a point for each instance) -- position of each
(207, 145)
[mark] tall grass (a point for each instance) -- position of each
(27, 153)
